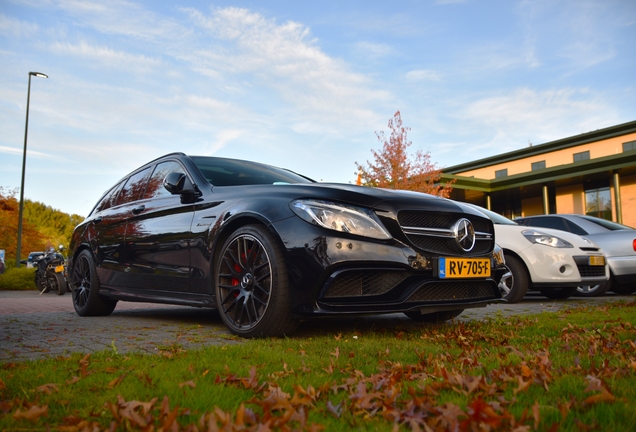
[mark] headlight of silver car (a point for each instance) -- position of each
(545, 239)
(340, 217)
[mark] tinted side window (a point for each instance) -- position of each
(549, 222)
(134, 187)
(110, 198)
(155, 187)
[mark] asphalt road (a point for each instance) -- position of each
(34, 326)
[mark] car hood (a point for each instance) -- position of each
(377, 198)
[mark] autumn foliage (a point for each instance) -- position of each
(394, 168)
(42, 226)
(461, 377)
(32, 239)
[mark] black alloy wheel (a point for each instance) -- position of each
(252, 288)
(433, 317)
(85, 288)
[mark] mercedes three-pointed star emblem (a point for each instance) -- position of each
(464, 234)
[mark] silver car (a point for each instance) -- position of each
(617, 241)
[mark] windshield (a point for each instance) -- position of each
(234, 172)
(496, 218)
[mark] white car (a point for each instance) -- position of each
(553, 262)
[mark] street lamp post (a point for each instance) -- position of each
(26, 129)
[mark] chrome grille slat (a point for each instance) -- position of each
(433, 232)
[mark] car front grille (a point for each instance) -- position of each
(453, 291)
(364, 283)
(398, 286)
(591, 271)
(433, 232)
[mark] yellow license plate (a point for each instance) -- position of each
(597, 260)
(59, 269)
(451, 268)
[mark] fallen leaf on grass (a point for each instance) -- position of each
(523, 385)
(73, 380)
(32, 414)
(187, 384)
(335, 410)
(604, 396)
(48, 388)
(336, 353)
(117, 381)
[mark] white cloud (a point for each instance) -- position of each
(17, 28)
(123, 18)
(373, 50)
(423, 75)
(528, 115)
(107, 56)
(284, 58)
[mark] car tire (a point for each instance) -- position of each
(84, 283)
(515, 289)
(593, 290)
(252, 286)
(622, 289)
(559, 293)
(434, 317)
(60, 284)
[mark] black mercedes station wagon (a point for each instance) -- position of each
(268, 247)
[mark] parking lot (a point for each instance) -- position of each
(34, 326)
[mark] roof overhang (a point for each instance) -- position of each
(623, 163)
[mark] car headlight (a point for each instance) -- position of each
(545, 239)
(340, 217)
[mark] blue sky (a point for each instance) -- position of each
(302, 85)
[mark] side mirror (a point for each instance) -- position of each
(178, 184)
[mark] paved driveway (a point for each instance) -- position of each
(34, 326)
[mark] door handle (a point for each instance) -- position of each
(139, 209)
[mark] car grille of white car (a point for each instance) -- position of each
(591, 271)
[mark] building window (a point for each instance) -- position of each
(598, 202)
(538, 165)
(578, 157)
(501, 173)
(629, 146)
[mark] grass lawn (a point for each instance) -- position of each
(569, 371)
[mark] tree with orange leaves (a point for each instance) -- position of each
(394, 168)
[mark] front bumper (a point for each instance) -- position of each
(623, 268)
(333, 274)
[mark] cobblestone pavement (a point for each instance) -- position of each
(34, 326)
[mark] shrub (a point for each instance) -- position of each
(17, 279)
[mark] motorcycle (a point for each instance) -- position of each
(50, 272)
